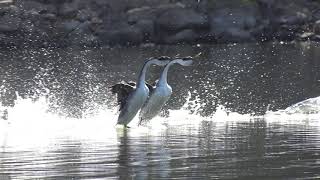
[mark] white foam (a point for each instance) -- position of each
(31, 124)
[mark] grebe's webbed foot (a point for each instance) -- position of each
(126, 126)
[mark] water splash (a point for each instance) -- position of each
(304, 111)
(30, 111)
(308, 106)
(30, 122)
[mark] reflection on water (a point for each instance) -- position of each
(194, 148)
(230, 116)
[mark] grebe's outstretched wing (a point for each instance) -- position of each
(122, 90)
(150, 86)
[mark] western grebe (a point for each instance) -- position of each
(162, 92)
(130, 97)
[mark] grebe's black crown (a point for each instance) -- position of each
(187, 58)
(164, 58)
(160, 61)
(161, 58)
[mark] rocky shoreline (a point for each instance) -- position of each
(89, 23)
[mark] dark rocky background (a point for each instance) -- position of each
(61, 23)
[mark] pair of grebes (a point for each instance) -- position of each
(133, 97)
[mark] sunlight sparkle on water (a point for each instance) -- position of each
(31, 125)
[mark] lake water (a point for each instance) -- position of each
(233, 115)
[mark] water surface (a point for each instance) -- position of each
(231, 116)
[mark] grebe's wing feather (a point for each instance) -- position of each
(131, 83)
(150, 87)
(122, 90)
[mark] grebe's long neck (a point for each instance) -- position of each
(164, 75)
(142, 76)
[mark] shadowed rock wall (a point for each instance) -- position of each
(42, 23)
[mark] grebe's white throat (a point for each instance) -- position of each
(132, 98)
(161, 93)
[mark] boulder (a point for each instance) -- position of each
(316, 15)
(95, 24)
(149, 13)
(184, 36)
(53, 1)
(84, 15)
(240, 18)
(175, 20)
(133, 22)
(316, 27)
(132, 4)
(316, 38)
(267, 8)
(68, 26)
(234, 25)
(298, 18)
(143, 13)
(37, 7)
(234, 35)
(68, 10)
(49, 17)
(147, 29)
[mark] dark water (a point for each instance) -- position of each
(245, 78)
(60, 114)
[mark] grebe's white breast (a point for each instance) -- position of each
(131, 100)
(161, 93)
(157, 99)
(134, 103)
